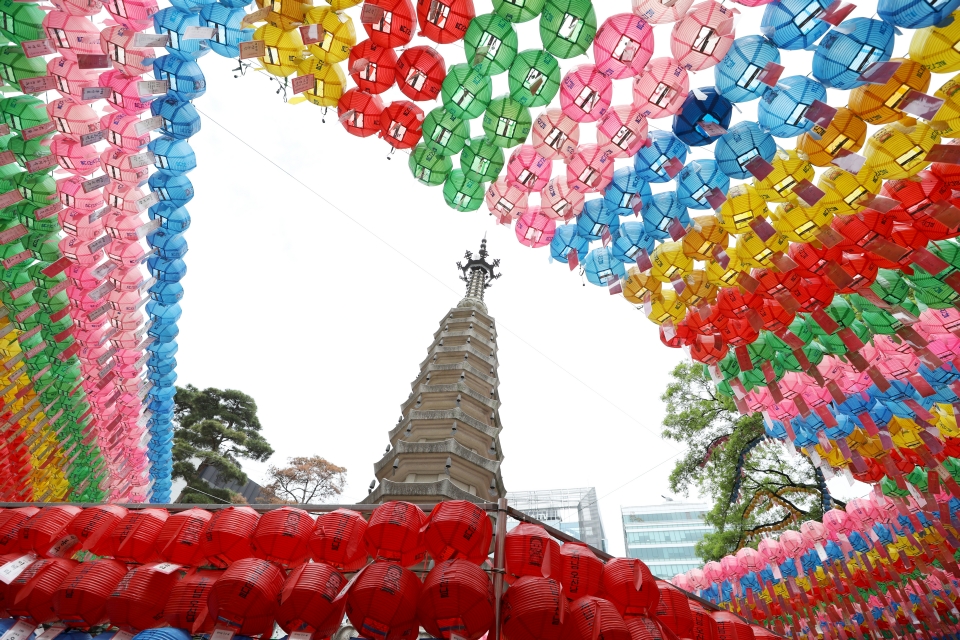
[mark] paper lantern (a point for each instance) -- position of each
(71, 34)
(187, 606)
(704, 626)
(309, 600)
(594, 617)
(555, 134)
(444, 133)
(839, 61)
(628, 583)
(709, 107)
(898, 150)
(661, 212)
(230, 28)
(533, 608)
(359, 112)
(657, 12)
(518, 10)
(71, 80)
(739, 145)
(673, 611)
(118, 43)
(465, 92)
(81, 599)
(72, 119)
(621, 131)
(731, 627)
(792, 24)
(420, 73)
(394, 26)
(337, 540)
(184, 78)
(567, 27)
(737, 75)
(456, 599)
(282, 534)
(534, 77)
(383, 600)
(490, 44)
(623, 46)
(179, 538)
(22, 22)
(284, 50)
(585, 93)
(133, 14)
(506, 122)
(661, 89)
(121, 131)
(228, 536)
(394, 533)
(788, 170)
(696, 180)
(373, 67)
(401, 124)
(480, 160)
(134, 537)
(580, 571)
(93, 525)
(527, 169)
(652, 161)
(429, 167)
(878, 103)
(446, 21)
(782, 107)
(530, 551)
(338, 34)
(822, 144)
(44, 533)
(328, 82)
(246, 598)
(458, 529)
(30, 595)
(702, 37)
(914, 15)
(560, 200)
(602, 267)
(139, 599)
(590, 169)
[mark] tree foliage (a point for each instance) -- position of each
(776, 489)
(306, 480)
(220, 428)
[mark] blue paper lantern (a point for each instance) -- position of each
(791, 25)
(632, 237)
(915, 14)
(596, 217)
(650, 160)
(601, 265)
(166, 270)
(174, 22)
(172, 155)
(737, 76)
(230, 32)
(712, 108)
(164, 333)
(177, 190)
(782, 107)
(739, 145)
(660, 213)
(168, 244)
(185, 78)
(567, 239)
(180, 118)
(620, 193)
(847, 51)
(163, 350)
(173, 218)
(697, 179)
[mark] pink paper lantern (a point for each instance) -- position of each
(771, 553)
(77, 250)
(863, 514)
(750, 560)
(123, 226)
(118, 43)
(623, 46)
(585, 93)
(590, 169)
(118, 165)
(622, 131)
(505, 201)
(713, 572)
(73, 120)
(792, 543)
(71, 35)
(127, 254)
(73, 157)
(697, 580)
(527, 169)
(660, 12)
(135, 14)
(77, 223)
(661, 89)
(534, 229)
(124, 92)
(702, 38)
(78, 7)
(123, 197)
(121, 131)
(71, 79)
(555, 134)
(559, 200)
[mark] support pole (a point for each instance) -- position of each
(498, 567)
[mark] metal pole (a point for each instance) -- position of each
(498, 567)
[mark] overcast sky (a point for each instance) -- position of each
(319, 271)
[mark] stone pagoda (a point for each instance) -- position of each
(446, 445)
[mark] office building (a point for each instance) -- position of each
(573, 511)
(665, 535)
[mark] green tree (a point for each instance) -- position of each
(220, 428)
(773, 490)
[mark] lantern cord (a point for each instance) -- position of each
(441, 282)
(209, 495)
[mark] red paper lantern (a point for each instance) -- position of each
(394, 533)
(530, 551)
(282, 536)
(814, 259)
(444, 21)
(337, 539)
(861, 269)
(359, 113)
(94, 525)
(644, 628)
(775, 317)
(738, 333)
(11, 520)
(673, 611)
(394, 23)
(44, 532)
(628, 583)
(762, 633)
(731, 627)
(401, 124)
(138, 601)
(456, 599)
(580, 570)
(247, 596)
(591, 617)
(458, 529)
(814, 293)
(382, 603)
(81, 599)
(179, 539)
(709, 349)
(734, 303)
(915, 194)
(372, 67)
(135, 536)
(4, 559)
(229, 535)
(30, 594)
(533, 609)
(420, 72)
(187, 607)
(309, 600)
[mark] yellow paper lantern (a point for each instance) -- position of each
(669, 262)
(754, 252)
(667, 306)
(328, 82)
(742, 206)
(788, 169)
(799, 223)
(639, 284)
(897, 151)
(725, 276)
(286, 14)
(879, 103)
(337, 31)
(936, 49)
(947, 120)
(284, 49)
(821, 145)
(700, 240)
(905, 433)
(697, 289)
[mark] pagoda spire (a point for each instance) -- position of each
(479, 274)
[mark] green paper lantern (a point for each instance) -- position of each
(21, 21)
(890, 286)
(832, 344)
(45, 246)
(38, 188)
(935, 294)
(27, 217)
(23, 112)
(26, 150)
(518, 10)
(466, 92)
(534, 78)
(729, 367)
(506, 122)
(429, 167)
(444, 133)
(490, 44)
(51, 305)
(890, 488)
(462, 193)
(789, 361)
(814, 352)
(567, 27)
(15, 66)
(481, 161)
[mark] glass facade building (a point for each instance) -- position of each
(573, 511)
(665, 535)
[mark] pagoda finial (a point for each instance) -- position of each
(478, 272)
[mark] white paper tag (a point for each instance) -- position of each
(150, 124)
(52, 632)
(199, 33)
(63, 546)
(153, 87)
(301, 635)
(147, 201)
(94, 93)
(148, 227)
(169, 567)
(218, 634)
(142, 159)
(10, 571)
(19, 631)
(151, 39)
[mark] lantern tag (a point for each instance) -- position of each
(879, 72)
(252, 49)
(920, 104)
(144, 40)
(848, 161)
(37, 48)
(19, 631)
(771, 74)
(311, 33)
(9, 573)
(303, 83)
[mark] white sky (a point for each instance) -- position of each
(322, 307)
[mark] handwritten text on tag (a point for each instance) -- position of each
(10, 571)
